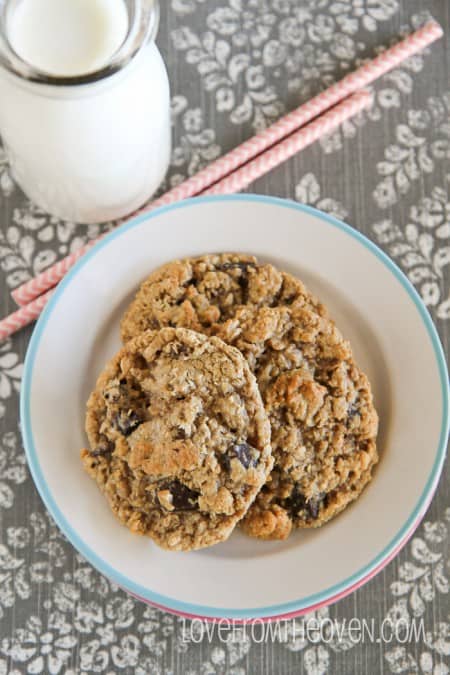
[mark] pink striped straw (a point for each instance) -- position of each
(235, 182)
(241, 178)
(24, 316)
(217, 170)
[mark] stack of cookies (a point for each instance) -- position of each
(235, 399)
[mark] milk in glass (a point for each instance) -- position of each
(84, 104)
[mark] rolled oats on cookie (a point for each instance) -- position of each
(179, 439)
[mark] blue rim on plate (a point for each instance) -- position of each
(300, 604)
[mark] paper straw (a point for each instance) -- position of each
(247, 151)
(327, 122)
(23, 316)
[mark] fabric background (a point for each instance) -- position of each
(235, 66)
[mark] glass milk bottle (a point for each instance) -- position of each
(84, 104)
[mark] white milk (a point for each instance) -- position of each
(89, 151)
(65, 37)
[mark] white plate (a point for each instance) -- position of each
(394, 341)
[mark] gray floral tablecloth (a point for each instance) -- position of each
(235, 66)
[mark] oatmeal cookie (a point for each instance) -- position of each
(198, 293)
(319, 403)
(179, 439)
(320, 407)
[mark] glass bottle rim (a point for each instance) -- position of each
(142, 28)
